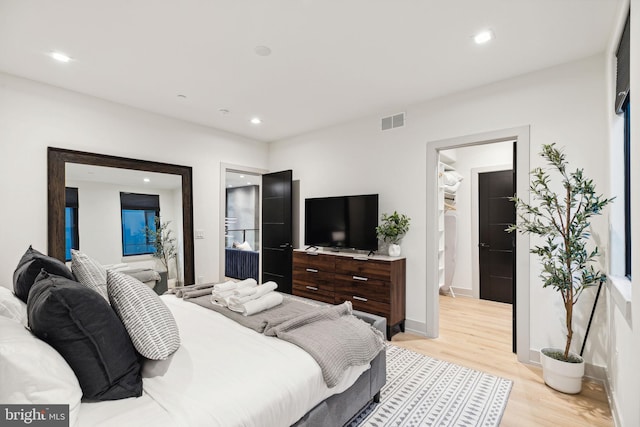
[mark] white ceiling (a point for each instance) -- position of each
(332, 61)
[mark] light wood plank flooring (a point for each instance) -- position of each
(477, 334)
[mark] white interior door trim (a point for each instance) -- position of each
(522, 137)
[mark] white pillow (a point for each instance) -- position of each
(33, 372)
(244, 246)
(12, 307)
(89, 272)
(150, 324)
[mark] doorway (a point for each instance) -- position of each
(521, 165)
(240, 218)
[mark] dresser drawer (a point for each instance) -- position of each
(364, 304)
(314, 260)
(314, 292)
(367, 268)
(372, 289)
(318, 279)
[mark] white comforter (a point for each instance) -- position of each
(223, 375)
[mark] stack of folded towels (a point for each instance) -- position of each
(246, 297)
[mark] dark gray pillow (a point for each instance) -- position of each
(82, 327)
(29, 267)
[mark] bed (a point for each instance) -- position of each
(224, 374)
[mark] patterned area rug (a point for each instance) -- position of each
(422, 391)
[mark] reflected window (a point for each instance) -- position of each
(139, 212)
(71, 233)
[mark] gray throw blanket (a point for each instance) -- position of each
(332, 335)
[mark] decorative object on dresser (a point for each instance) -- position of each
(392, 229)
(374, 284)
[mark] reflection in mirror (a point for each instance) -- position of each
(111, 210)
(100, 189)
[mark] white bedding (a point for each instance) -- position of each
(223, 375)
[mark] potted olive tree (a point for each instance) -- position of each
(392, 230)
(164, 244)
(562, 220)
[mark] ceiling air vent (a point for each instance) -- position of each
(393, 122)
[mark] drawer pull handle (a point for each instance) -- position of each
(311, 288)
(362, 279)
(312, 270)
(360, 299)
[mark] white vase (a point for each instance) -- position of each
(394, 250)
(562, 376)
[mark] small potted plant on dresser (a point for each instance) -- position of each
(562, 222)
(392, 229)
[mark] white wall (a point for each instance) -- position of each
(468, 159)
(34, 116)
(564, 104)
(623, 364)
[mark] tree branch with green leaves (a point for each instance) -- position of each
(562, 221)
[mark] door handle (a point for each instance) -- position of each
(484, 245)
(285, 245)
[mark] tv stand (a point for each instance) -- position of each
(373, 284)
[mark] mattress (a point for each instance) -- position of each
(223, 375)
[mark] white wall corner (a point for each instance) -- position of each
(611, 398)
(415, 327)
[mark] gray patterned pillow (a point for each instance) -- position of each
(150, 324)
(89, 273)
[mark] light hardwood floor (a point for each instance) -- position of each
(477, 334)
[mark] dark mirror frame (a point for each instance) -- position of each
(57, 158)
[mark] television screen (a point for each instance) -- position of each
(342, 222)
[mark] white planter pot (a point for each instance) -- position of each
(562, 376)
(394, 250)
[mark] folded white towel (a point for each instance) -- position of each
(231, 285)
(260, 291)
(265, 302)
(245, 292)
(221, 298)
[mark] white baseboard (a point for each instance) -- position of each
(463, 292)
(611, 397)
(415, 327)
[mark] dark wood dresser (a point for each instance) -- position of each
(375, 284)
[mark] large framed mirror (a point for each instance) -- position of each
(57, 161)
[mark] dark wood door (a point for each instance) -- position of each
(497, 247)
(277, 230)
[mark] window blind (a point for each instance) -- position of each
(140, 201)
(623, 69)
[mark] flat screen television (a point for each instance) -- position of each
(347, 222)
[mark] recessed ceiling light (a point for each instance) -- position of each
(248, 183)
(483, 37)
(256, 120)
(241, 176)
(262, 50)
(59, 56)
(229, 185)
(146, 180)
